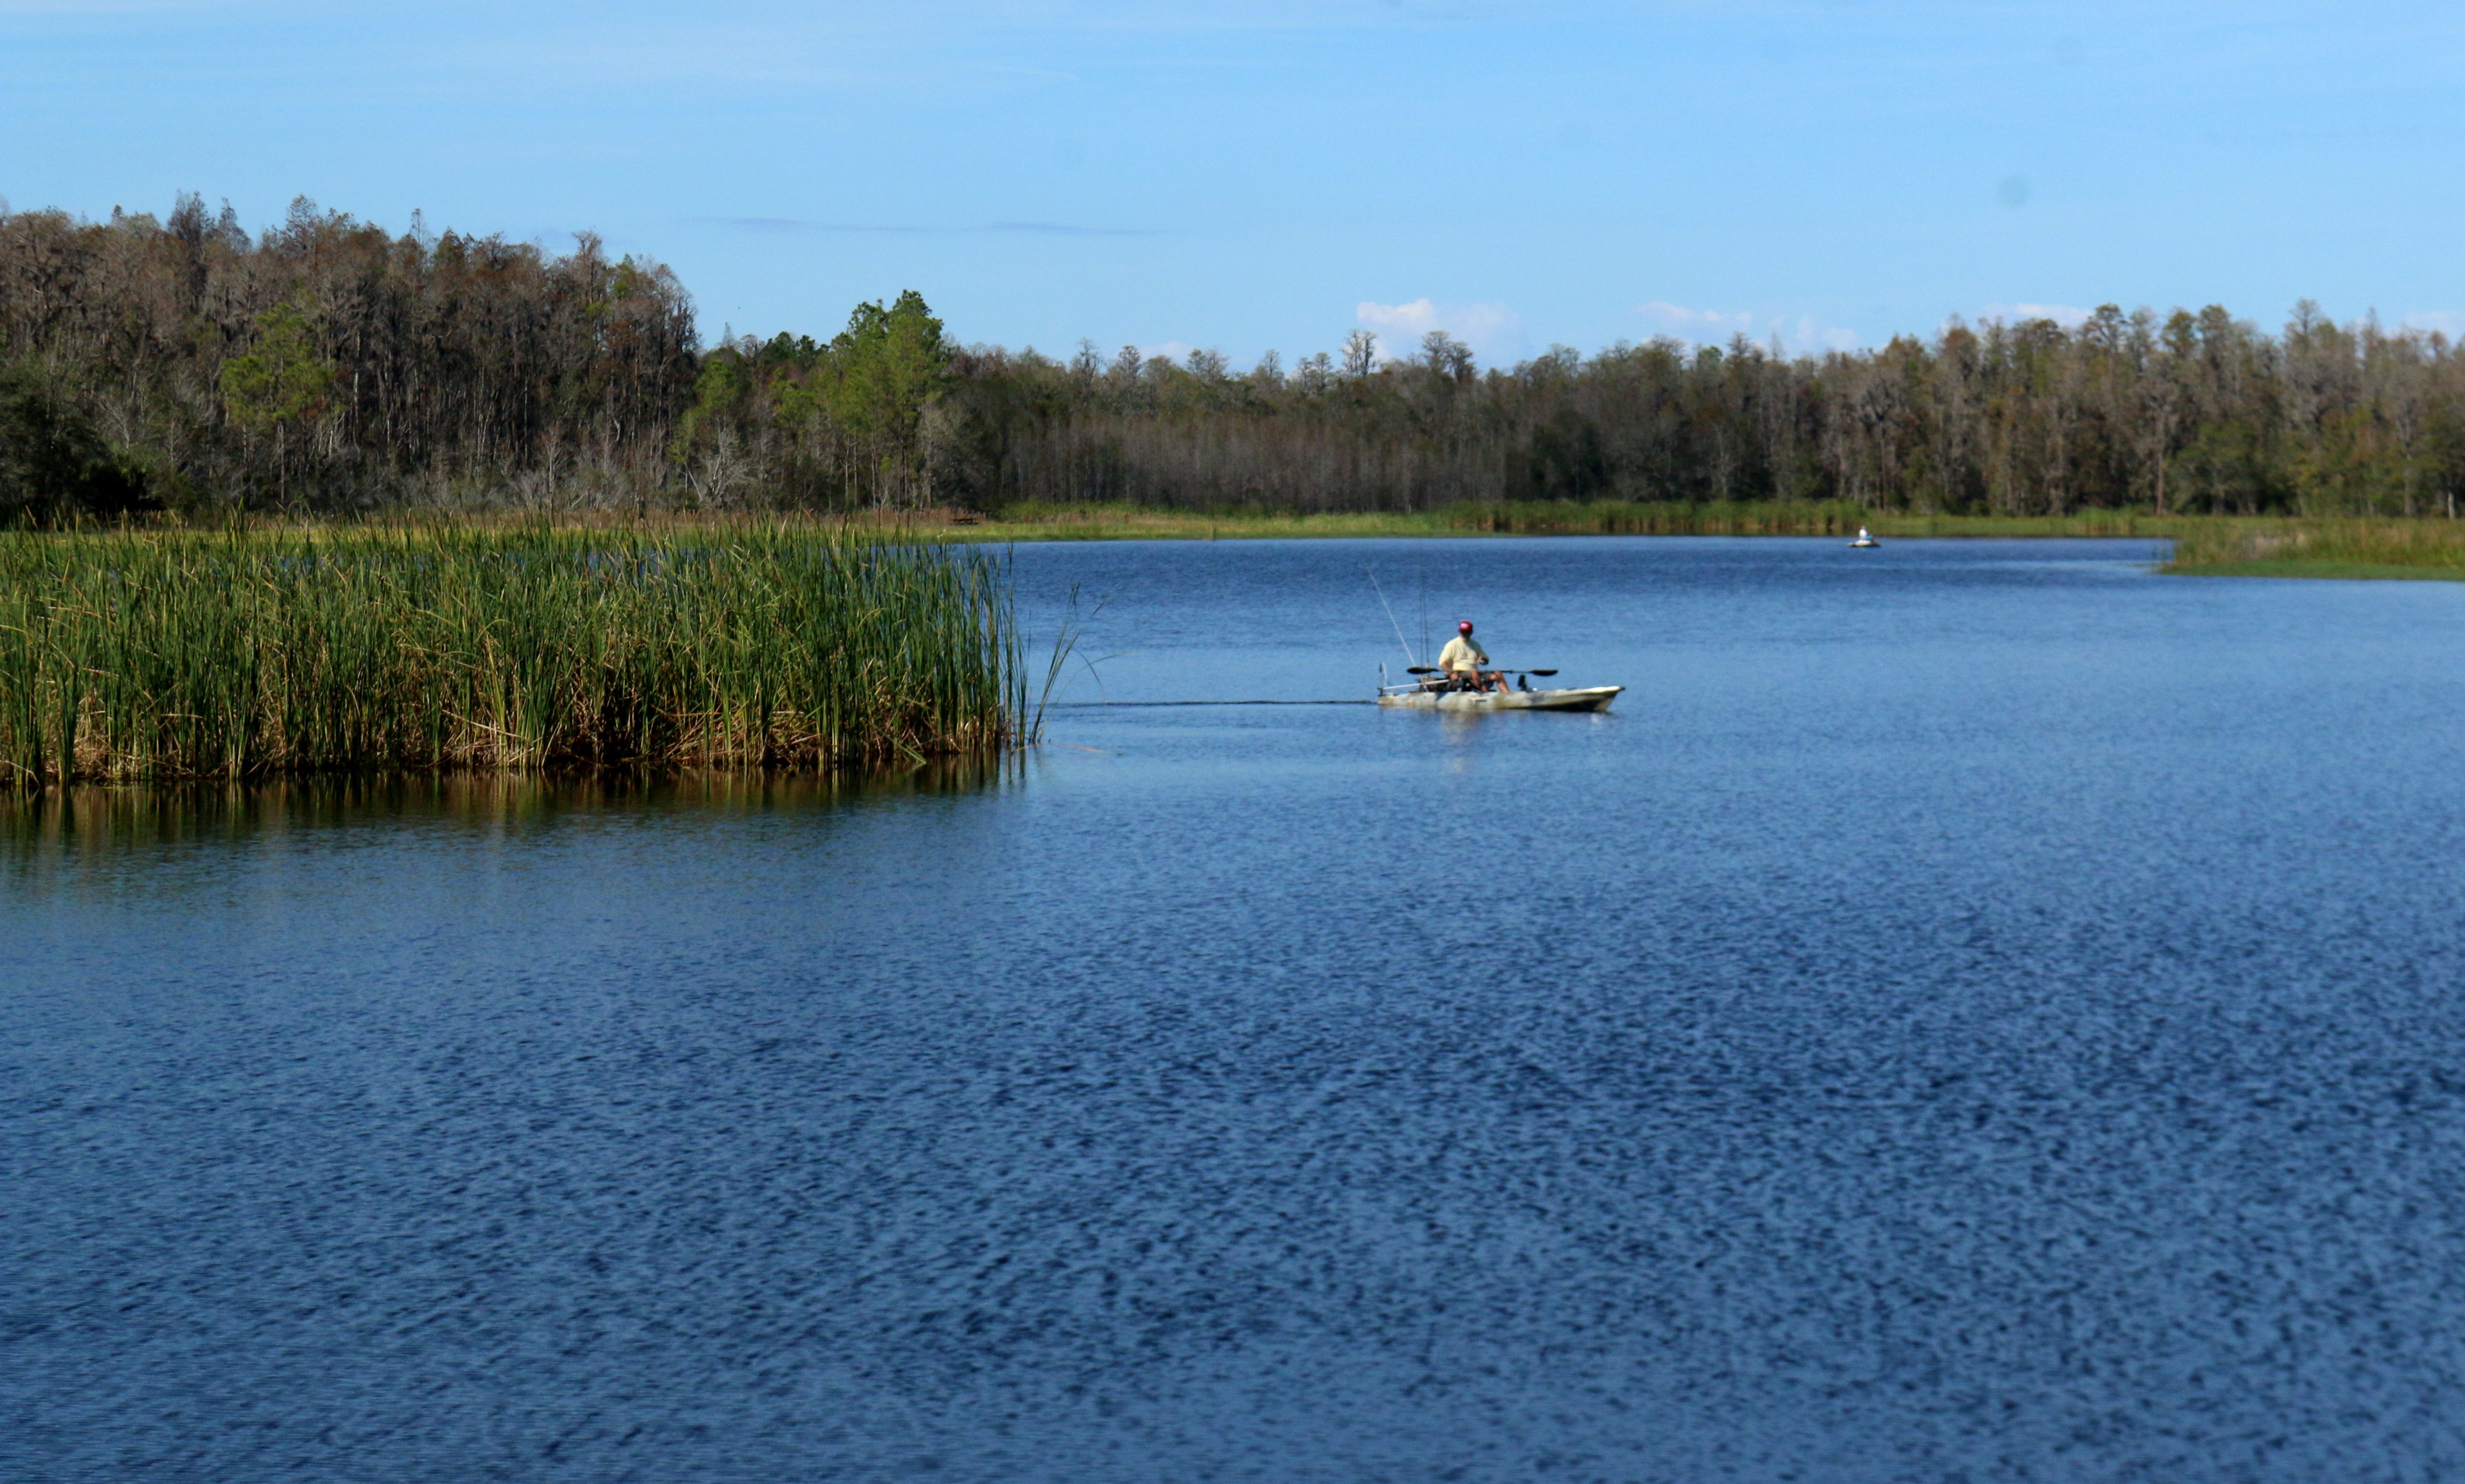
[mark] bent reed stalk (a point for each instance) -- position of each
(132, 655)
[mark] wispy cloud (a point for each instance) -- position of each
(2070, 317)
(1494, 332)
(2437, 321)
(1068, 230)
(1803, 336)
(1696, 324)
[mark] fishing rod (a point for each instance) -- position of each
(1409, 658)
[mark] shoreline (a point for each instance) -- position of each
(2340, 549)
(1122, 522)
(2335, 548)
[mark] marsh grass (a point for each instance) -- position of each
(2360, 547)
(129, 656)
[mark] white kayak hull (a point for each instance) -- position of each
(1590, 698)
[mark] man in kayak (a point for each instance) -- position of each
(1462, 658)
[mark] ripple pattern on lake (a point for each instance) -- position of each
(1979, 1013)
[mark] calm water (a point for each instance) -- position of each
(1973, 1012)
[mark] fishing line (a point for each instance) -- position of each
(1409, 657)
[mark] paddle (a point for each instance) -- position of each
(1433, 669)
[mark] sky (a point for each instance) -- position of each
(1245, 176)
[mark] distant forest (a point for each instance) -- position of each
(327, 366)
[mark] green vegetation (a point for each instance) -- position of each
(2183, 413)
(1521, 518)
(166, 655)
(846, 421)
(51, 454)
(329, 367)
(2322, 548)
(1782, 517)
(2205, 546)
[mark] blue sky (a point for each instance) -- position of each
(1248, 174)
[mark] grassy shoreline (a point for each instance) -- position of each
(2422, 548)
(149, 655)
(1832, 518)
(2377, 547)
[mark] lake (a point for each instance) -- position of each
(1974, 1010)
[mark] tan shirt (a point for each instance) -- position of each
(1461, 653)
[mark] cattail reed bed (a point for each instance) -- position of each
(163, 655)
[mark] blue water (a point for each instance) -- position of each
(1972, 1012)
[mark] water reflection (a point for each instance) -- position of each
(100, 819)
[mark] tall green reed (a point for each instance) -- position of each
(128, 656)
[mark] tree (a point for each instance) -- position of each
(885, 366)
(282, 381)
(1446, 355)
(52, 463)
(280, 386)
(1360, 353)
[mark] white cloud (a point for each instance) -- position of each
(2442, 322)
(1700, 326)
(1494, 332)
(2070, 317)
(1808, 335)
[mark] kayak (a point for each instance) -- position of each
(1590, 697)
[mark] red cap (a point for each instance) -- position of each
(1465, 626)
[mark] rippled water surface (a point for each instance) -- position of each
(1973, 1012)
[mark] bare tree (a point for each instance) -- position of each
(1360, 353)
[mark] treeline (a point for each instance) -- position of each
(327, 364)
(2191, 412)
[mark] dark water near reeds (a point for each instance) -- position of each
(1974, 1011)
